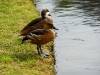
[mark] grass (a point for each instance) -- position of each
(17, 59)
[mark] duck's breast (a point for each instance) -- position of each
(43, 39)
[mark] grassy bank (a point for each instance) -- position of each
(17, 59)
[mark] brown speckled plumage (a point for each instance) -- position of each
(38, 23)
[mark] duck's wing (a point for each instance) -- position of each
(32, 23)
(34, 34)
(38, 32)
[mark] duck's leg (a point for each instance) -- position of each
(38, 49)
(43, 54)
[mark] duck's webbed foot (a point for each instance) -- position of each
(45, 55)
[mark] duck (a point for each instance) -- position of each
(37, 23)
(40, 37)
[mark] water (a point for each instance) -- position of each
(77, 47)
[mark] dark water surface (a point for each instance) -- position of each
(78, 43)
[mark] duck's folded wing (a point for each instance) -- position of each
(32, 23)
(38, 32)
(35, 33)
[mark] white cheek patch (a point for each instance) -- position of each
(47, 14)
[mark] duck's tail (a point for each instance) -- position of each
(16, 36)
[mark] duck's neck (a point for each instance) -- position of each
(46, 27)
(43, 17)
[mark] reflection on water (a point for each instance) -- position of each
(77, 45)
(92, 9)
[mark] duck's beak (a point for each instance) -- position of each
(49, 15)
(55, 28)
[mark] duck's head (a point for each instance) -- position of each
(45, 13)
